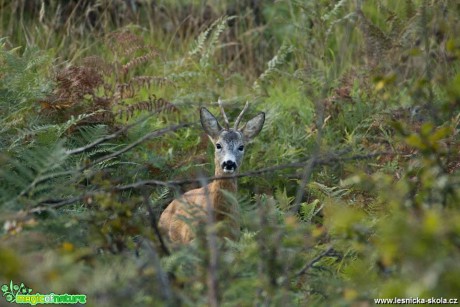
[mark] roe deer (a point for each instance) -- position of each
(187, 212)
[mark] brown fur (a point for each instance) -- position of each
(189, 212)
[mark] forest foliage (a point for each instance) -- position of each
(350, 193)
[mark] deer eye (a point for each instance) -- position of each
(218, 146)
(241, 148)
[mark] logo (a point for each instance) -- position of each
(21, 294)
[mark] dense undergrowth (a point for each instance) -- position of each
(350, 193)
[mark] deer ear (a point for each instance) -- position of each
(209, 123)
(253, 126)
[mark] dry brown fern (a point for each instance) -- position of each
(154, 104)
(73, 84)
(99, 64)
(139, 60)
(101, 87)
(124, 90)
(124, 43)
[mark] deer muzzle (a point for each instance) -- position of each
(229, 166)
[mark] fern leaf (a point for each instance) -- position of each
(33, 172)
(220, 26)
(335, 10)
(278, 60)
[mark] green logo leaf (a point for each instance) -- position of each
(10, 292)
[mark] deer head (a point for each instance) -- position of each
(229, 143)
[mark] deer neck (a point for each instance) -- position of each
(218, 199)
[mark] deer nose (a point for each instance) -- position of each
(229, 165)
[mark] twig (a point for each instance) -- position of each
(306, 174)
(213, 286)
(54, 204)
(148, 136)
(142, 139)
(308, 169)
(154, 224)
(162, 276)
(43, 178)
(109, 137)
(175, 183)
(314, 260)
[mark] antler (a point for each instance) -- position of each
(227, 124)
(238, 119)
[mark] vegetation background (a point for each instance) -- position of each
(350, 193)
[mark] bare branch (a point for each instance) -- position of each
(238, 119)
(308, 169)
(154, 224)
(110, 136)
(213, 286)
(310, 264)
(329, 159)
(161, 274)
(306, 174)
(332, 158)
(142, 139)
(55, 204)
(43, 178)
(153, 134)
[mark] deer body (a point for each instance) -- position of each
(183, 215)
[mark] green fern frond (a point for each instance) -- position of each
(206, 43)
(161, 194)
(349, 17)
(274, 64)
(108, 164)
(200, 41)
(221, 26)
(33, 172)
(334, 192)
(48, 133)
(335, 11)
(181, 262)
(89, 133)
(104, 148)
(21, 81)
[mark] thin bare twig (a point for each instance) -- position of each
(213, 285)
(162, 276)
(310, 264)
(175, 183)
(43, 178)
(154, 224)
(308, 169)
(111, 136)
(54, 204)
(306, 174)
(142, 139)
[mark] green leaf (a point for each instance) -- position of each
(415, 140)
